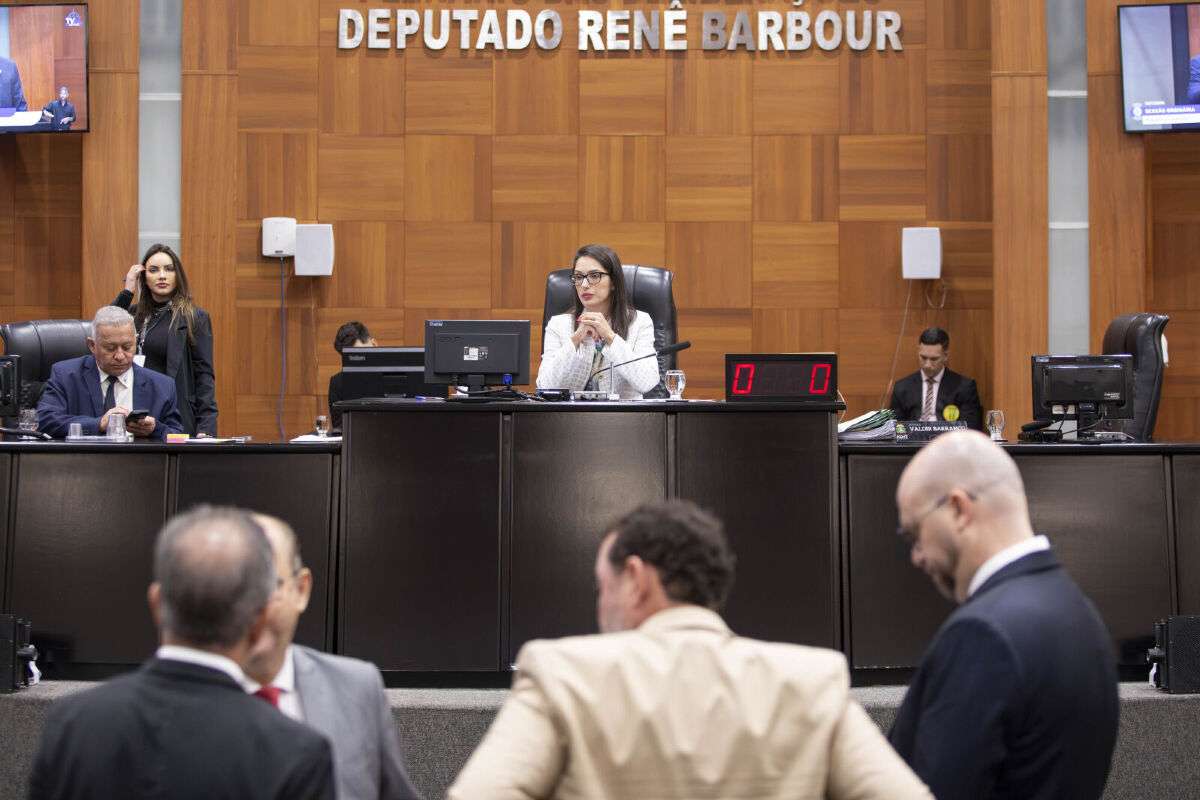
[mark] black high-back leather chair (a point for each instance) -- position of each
(41, 343)
(1140, 335)
(650, 289)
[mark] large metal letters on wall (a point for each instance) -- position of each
(619, 29)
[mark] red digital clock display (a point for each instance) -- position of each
(781, 377)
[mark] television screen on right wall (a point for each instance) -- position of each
(1160, 66)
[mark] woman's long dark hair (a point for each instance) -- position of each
(180, 302)
(620, 304)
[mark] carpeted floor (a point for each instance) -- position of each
(1156, 753)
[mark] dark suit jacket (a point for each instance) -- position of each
(73, 395)
(335, 394)
(59, 112)
(181, 731)
(1017, 695)
(190, 364)
(954, 389)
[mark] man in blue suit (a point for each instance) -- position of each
(1017, 695)
(90, 388)
(11, 94)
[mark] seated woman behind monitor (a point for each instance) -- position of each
(352, 334)
(603, 330)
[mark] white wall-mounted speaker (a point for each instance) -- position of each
(921, 253)
(279, 237)
(314, 249)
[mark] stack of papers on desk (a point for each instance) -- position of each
(874, 426)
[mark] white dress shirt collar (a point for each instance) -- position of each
(285, 682)
(125, 379)
(202, 658)
(1005, 557)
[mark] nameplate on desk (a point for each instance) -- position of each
(924, 431)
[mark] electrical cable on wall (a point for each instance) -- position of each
(896, 355)
(282, 346)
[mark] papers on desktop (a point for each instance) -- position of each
(870, 427)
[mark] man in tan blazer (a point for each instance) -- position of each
(668, 703)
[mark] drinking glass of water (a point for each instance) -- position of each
(28, 421)
(675, 381)
(995, 425)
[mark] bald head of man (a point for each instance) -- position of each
(961, 501)
(292, 593)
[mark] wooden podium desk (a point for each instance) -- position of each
(1123, 518)
(469, 529)
(79, 523)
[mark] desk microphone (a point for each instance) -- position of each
(662, 351)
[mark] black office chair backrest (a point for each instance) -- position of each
(41, 343)
(650, 289)
(1140, 335)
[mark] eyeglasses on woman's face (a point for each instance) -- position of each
(594, 277)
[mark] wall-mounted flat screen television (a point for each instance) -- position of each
(43, 68)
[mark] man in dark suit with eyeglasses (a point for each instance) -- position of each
(1017, 695)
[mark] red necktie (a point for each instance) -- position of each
(270, 694)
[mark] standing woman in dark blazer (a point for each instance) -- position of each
(173, 334)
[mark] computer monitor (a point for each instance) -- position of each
(477, 352)
(1099, 387)
(386, 372)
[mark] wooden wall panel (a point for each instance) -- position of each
(524, 253)
(1117, 238)
(798, 95)
(447, 92)
(959, 91)
(1021, 240)
(535, 178)
(448, 265)
(795, 265)
(621, 179)
(712, 263)
(278, 175)
(209, 137)
(959, 177)
(885, 94)
(709, 178)
(448, 178)
(795, 178)
(110, 184)
(882, 177)
(277, 87)
(360, 178)
(774, 185)
(623, 95)
(709, 96)
(537, 91)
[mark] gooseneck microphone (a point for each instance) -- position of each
(662, 351)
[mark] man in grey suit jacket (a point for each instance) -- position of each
(341, 697)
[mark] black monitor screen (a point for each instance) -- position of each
(43, 68)
(477, 351)
(1098, 385)
(385, 372)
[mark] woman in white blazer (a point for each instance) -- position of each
(603, 330)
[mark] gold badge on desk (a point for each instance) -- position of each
(950, 413)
